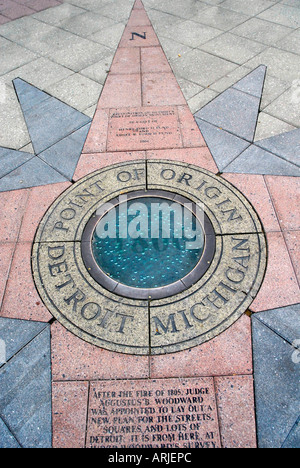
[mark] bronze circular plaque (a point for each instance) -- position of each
(104, 290)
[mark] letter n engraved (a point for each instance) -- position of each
(142, 36)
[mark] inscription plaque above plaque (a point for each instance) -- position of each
(144, 128)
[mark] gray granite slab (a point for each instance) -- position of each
(25, 400)
(293, 439)
(223, 146)
(276, 379)
(17, 333)
(286, 145)
(34, 173)
(285, 321)
(255, 160)
(253, 83)
(49, 120)
(64, 155)
(29, 95)
(11, 160)
(234, 111)
(7, 440)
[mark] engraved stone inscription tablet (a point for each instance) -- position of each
(154, 413)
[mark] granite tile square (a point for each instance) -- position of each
(79, 53)
(126, 61)
(18, 333)
(235, 397)
(86, 23)
(21, 300)
(39, 200)
(39, 5)
(292, 239)
(224, 146)
(250, 9)
(75, 359)
(233, 111)
(290, 43)
(197, 156)
(12, 211)
(285, 193)
(285, 145)
(98, 71)
(4, 20)
(25, 402)
(256, 191)
(85, 92)
(6, 255)
(255, 160)
(55, 16)
(285, 322)
(97, 136)
(109, 37)
(153, 60)
(15, 56)
(229, 353)
(221, 18)
(191, 136)
(231, 47)
(7, 440)
(201, 68)
(121, 93)
(253, 83)
(138, 17)
(29, 95)
(92, 162)
(286, 108)
(51, 121)
(282, 14)
(280, 287)
(64, 155)
(282, 65)
(33, 173)
(191, 33)
(11, 159)
(257, 29)
(16, 11)
(276, 379)
(69, 401)
(161, 89)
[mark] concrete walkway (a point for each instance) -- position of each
(230, 73)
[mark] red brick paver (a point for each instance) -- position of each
(14, 9)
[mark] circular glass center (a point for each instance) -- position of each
(148, 242)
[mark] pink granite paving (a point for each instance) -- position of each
(142, 114)
(69, 401)
(236, 411)
(141, 82)
(14, 9)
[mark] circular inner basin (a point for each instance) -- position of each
(148, 244)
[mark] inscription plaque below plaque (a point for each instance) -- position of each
(153, 414)
(144, 128)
